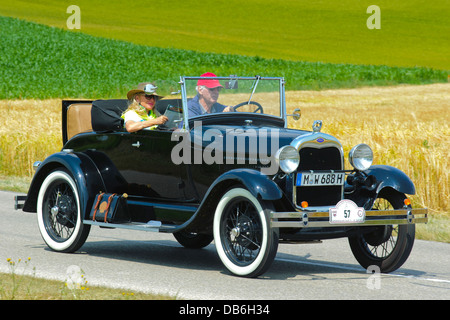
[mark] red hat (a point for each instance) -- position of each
(209, 83)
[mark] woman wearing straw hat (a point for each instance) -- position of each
(141, 113)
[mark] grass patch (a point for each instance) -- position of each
(13, 183)
(437, 228)
(44, 62)
(21, 283)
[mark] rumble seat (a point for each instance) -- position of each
(78, 119)
(104, 115)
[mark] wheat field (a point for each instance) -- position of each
(406, 126)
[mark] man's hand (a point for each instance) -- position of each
(228, 109)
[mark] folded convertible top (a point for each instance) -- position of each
(106, 114)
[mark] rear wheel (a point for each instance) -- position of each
(244, 240)
(387, 247)
(59, 214)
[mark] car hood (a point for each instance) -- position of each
(244, 136)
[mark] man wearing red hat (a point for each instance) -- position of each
(206, 99)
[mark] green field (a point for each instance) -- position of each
(314, 45)
(39, 61)
(413, 33)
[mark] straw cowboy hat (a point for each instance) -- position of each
(146, 88)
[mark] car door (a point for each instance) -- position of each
(143, 160)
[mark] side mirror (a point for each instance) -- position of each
(232, 83)
(296, 115)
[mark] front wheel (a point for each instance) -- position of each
(244, 240)
(387, 247)
(59, 214)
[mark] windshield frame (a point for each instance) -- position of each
(256, 79)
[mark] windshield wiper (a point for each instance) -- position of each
(255, 84)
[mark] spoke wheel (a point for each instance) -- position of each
(244, 240)
(387, 247)
(58, 213)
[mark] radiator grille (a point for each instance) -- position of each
(319, 159)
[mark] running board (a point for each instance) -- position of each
(152, 226)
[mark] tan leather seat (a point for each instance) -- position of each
(78, 119)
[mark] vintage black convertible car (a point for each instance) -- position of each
(242, 179)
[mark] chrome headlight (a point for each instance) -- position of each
(361, 157)
(287, 158)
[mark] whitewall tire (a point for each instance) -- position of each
(59, 214)
(245, 242)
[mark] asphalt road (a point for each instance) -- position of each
(154, 262)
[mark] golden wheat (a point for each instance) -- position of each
(30, 131)
(406, 126)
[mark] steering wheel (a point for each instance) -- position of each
(259, 107)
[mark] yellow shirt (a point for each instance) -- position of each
(134, 116)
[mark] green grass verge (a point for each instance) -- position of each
(17, 285)
(42, 62)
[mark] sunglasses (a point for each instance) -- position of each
(214, 89)
(149, 96)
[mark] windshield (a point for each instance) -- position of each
(209, 94)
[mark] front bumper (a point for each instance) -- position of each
(315, 219)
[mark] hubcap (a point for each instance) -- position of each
(235, 233)
(54, 210)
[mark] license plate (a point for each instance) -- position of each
(346, 211)
(305, 179)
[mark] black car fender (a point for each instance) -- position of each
(79, 166)
(259, 185)
(364, 187)
(387, 176)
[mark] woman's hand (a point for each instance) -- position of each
(160, 120)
